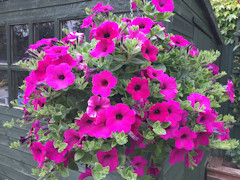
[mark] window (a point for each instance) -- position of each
(72, 25)
(3, 45)
(43, 30)
(3, 87)
(19, 42)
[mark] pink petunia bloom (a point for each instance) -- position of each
(72, 138)
(168, 86)
(184, 138)
(67, 58)
(139, 164)
(105, 8)
(140, 106)
(38, 103)
(109, 158)
(194, 51)
(195, 159)
(53, 154)
(120, 118)
(198, 98)
(38, 151)
(138, 88)
(103, 48)
(163, 5)
(153, 170)
(73, 37)
(134, 5)
(183, 121)
(170, 132)
(214, 68)
(87, 22)
(136, 125)
(87, 173)
(36, 126)
(43, 43)
(144, 24)
(174, 112)
(202, 139)
(149, 51)
(100, 129)
(151, 73)
(126, 20)
(56, 52)
(179, 41)
(230, 90)
(140, 36)
(86, 124)
(59, 77)
(177, 155)
(207, 119)
(40, 72)
(31, 85)
(222, 134)
(158, 112)
(103, 83)
(97, 104)
(107, 30)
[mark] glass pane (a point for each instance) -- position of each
(18, 78)
(3, 45)
(19, 41)
(72, 25)
(43, 30)
(3, 87)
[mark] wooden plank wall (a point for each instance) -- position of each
(190, 21)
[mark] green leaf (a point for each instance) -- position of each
(158, 129)
(160, 67)
(121, 138)
(78, 155)
(64, 172)
(72, 165)
(99, 172)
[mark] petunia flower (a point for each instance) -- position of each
(139, 164)
(53, 154)
(138, 88)
(183, 120)
(168, 86)
(67, 58)
(97, 104)
(55, 52)
(36, 126)
(174, 112)
(184, 138)
(105, 8)
(202, 139)
(109, 158)
(73, 37)
(199, 98)
(163, 5)
(194, 51)
(195, 159)
(141, 106)
(151, 73)
(170, 132)
(39, 102)
(120, 118)
(214, 68)
(103, 48)
(144, 24)
(59, 77)
(149, 51)
(85, 124)
(179, 41)
(153, 170)
(134, 5)
(222, 133)
(40, 72)
(230, 90)
(103, 83)
(158, 112)
(44, 44)
(107, 30)
(72, 138)
(137, 34)
(38, 151)
(177, 155)
(98, 5)
(87, 173)
(87, 22)
(31, 84)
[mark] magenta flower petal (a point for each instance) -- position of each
(170, 132)
(72, 137)
(59, 77)
(86, 124)
(163, 5)
(107, 30)
(120, 118)
(38, 151)
(196, 159)
(139, 164)
(53, 154)
(168, 86)
(138, 88)
(214, 68)
(198, 98)
(158, 112)
(87, 173)
(103, 83)
(152, 170)
(149, 51)
(230, 90)
(97, 104)
(177, 155)
(202, 139)
(103, 48)
(109, 158)
(151, 73)
(179, 41)
(184, 138)
(144, 24)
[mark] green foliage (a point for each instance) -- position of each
(226, 12)
(99, 172)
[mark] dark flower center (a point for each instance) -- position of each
(97, 108)
(177, 42)
(119, 116)
(104, 49)
(161, 4)
(137, 87)
(142, 26)
(184, 136)
(62, 77)
(147, 51)
(107, 35)
(39, 150)
(157, 111)
(108, 156)
(163, 86)
(89, 121)
(169, 111)
(104, 82)
(154, 74)
(202, 119)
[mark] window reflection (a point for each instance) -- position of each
(3, 45)
(3, 87)
(43, 30)
(19, 41)
(18, 78)
(72, 25)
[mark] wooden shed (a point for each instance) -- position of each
(23, 22)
